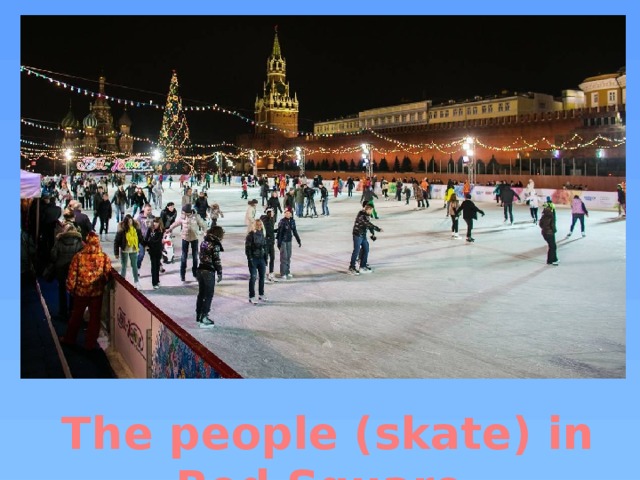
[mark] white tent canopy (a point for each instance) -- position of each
(29, 184)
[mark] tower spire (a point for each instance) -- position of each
(276, 45)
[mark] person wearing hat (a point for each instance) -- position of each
(361, 226)
(274, 204)
(209, 268)
(549, 203)
(190, 224)
(250, 215)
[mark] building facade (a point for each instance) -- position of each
(605, 90)
(96, 134)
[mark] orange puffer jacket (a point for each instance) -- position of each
(89, 270)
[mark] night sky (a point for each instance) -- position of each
(337, 65)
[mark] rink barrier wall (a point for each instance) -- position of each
(596, 200)
(152, 344)
(561, 196)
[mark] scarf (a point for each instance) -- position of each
(132, 238)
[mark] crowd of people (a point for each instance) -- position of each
(70, 240)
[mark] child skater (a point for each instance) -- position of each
(469, 212)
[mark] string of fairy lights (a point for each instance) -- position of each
(448, 148)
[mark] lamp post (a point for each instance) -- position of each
(469, 147)
(254, 163)
(219, 163)
(367, 160)
(68, 155)
(300, 160)
(599, 155)
(156, 157)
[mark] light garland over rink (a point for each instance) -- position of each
(136, 103)
(448, 148)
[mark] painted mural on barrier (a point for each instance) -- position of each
(172, 358)
(132, 322)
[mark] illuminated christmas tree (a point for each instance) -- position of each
(174, 141)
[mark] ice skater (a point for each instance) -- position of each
(469, 212)
(255, 247)
(548, 230)
(361, 226)
(453, 208)
(284, 236)
(209, 267)
(622, 201)
(534, 204)
(507, 194)
(578, 211)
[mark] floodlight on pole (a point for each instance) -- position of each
(300, 160)
(219, 162)
(254, 162)
(367, 160)
(469, 147)
(68, 155)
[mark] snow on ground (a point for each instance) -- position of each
(435, 307)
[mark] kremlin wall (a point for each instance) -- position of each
(579, 138)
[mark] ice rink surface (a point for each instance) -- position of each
(435, 307)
